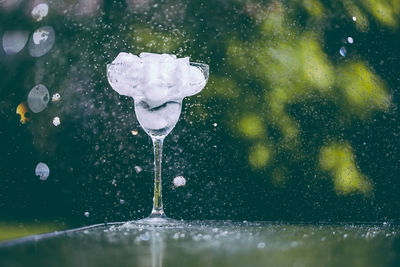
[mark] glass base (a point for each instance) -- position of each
(158, 220)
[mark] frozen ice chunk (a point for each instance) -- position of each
(124, 58)
(197, 81)
(14, 41)
(155, 78)
(123, 74)
(152, 57)
(38, 98)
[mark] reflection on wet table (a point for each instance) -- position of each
(209, 243)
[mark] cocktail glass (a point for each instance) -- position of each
(158, 119)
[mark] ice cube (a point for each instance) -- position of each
(156, 95)
(124, 57)
(123, 74)
(156, 58)
(196, 83)
(182, 71)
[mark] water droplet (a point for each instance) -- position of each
(343, 51)
(56, 121)
(179, 181)
(42, 170)
(14, 41)
(215, 124)
(261, 245)
(134, 132)
(40, 11)
(22, 110)
(350, 40)
(56, 97)
(345, 236)
(87, 214)
(354, 18)
(145, 237)
(121, 201)
(138, 169)
(41, 42)
(37, 100)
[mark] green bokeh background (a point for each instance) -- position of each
(286, 129)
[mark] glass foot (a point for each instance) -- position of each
(159, 220)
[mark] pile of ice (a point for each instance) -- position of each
(154, 78)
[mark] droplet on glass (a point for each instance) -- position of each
(56, 121)
(42, 170)
(14, 41)
(138, 169)
(134, 132)
(261, 245)
(350, 40)
(38, 98)
(145, 237)
(42, 40)
(354, 18)
(40, 11)
(343, 51)
(179, 181)
(87, 214)
(56, 97)
(23, 112)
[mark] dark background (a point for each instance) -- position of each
(263, 160)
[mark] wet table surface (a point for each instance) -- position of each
(209, 243)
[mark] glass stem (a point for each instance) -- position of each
(157, 200)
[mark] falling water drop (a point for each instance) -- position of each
(343, 51)
(87, 214)
(56, 121)
(42, 170)
(41, 42)
(134, 132)
(179, 181)
(38, 98)
(14, 41)
(56, 97)
(138, 169)
(354, 18)
(350, 40)
(122, 202)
